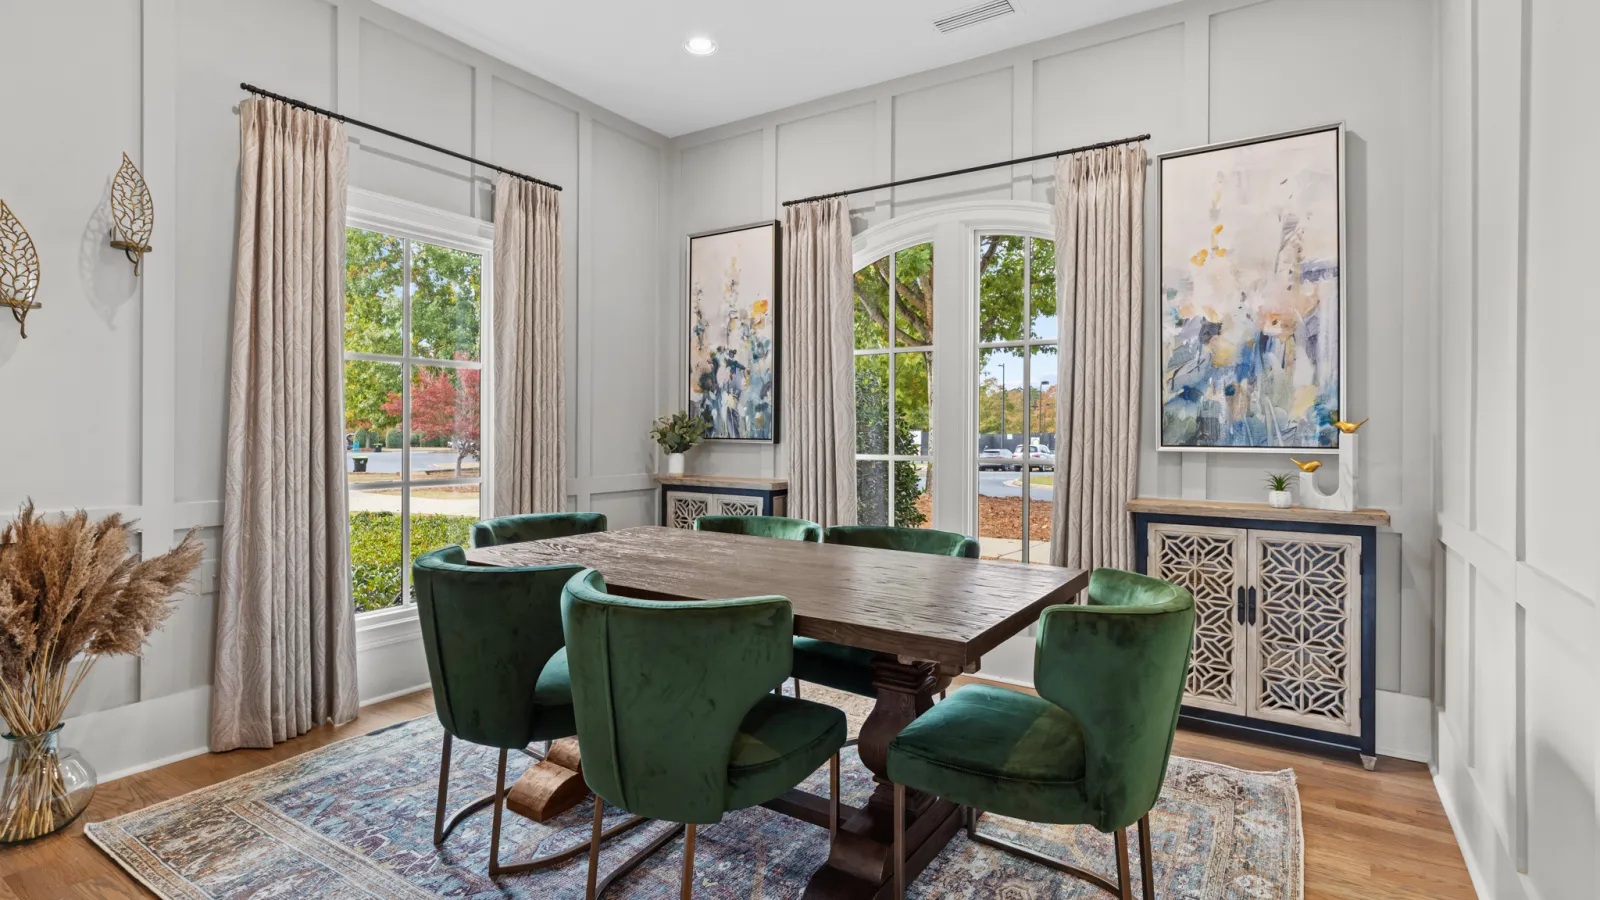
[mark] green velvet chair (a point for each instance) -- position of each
(1090, 749)
(535, 527)
(674, 710)
(494, 645)
(762, 526)
(849, 669)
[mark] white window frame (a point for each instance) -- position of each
(954, 229)
(401, 218)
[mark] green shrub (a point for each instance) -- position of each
(392, 439)
(375, 553)
(363, 438)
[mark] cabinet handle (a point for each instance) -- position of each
(1240, 611)
(1252, 605)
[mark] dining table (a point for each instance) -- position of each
(928, 618)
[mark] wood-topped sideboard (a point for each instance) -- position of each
(1285, 615)
(687, 497)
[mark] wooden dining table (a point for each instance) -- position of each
(930, 618)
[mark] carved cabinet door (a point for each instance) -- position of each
(1305, 640)
(1211, 563)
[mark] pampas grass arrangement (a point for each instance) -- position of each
(67, 588)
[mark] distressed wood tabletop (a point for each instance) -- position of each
(941, 609)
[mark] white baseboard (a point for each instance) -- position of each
(368, 701)
(124, 740)
(1404, 726)
(1473, 830)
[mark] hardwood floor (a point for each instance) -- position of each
(1368, 835)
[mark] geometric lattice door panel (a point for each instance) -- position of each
(1305, 652)
(684, 508)
(738, 506)
(1210, 562)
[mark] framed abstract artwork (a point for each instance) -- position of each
(1252, 293)
(733, 332)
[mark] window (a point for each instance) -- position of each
(894, 390)
(1017, 339)
(413, 406)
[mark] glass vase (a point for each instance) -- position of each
(46, 786)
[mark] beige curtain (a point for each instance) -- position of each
(1100, 296)
(819, 362)
(529, 397)
(285, 649)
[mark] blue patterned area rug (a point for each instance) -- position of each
(355, 820)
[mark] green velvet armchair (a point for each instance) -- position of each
(849, 669)
(494, 645)
(762, 526)
(674, 710)
(535, 527)
(1090, 749)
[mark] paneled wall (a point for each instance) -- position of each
(1189, 74)
(1518, 756)
(117, 399)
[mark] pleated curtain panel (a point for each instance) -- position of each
(1100, 291)
(529, 396)
(285, 634)
(819, 362)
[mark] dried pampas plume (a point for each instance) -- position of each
(71, 587)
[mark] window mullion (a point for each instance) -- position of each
(405, 423)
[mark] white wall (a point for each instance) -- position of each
(1189, 74)
(1518, 764)
(116, 401)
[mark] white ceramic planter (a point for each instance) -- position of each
(675, 464)
(1280, 499)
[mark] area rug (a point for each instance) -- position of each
(355, 820)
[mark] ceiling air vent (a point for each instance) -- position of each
(972, 15)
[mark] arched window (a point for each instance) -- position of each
(894, 388)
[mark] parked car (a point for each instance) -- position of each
(996, 458)
(1038, 456)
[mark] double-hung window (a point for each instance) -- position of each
(414, 436)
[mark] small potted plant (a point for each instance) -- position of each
(677, 434)
(1278, 486)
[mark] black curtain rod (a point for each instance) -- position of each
(1010, 162)
(396, 135)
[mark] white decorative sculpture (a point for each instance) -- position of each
(1344, 499)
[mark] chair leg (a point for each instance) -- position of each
(688, 863)
(1147, 859)
(594, 845)
(1099, 881)
(1123, 881)
(499, 805)
(796, 688)
(833, 798)
(444, 792)
(899, 842)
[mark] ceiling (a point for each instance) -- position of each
(628, 56)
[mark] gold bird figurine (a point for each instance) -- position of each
(1349, 427)
(1311, 466)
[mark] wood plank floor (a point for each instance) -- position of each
(1369, 835)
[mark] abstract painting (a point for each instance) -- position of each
(1252, 354)
(733, 332)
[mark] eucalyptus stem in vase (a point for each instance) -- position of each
(70, 593)
(678, 433)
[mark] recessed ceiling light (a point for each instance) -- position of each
(700, 46)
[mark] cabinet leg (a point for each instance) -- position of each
(1369, 762)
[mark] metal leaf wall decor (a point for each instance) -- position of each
(19, 267)
(133, 215)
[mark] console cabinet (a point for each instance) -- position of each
(1284, 615)
(687, 497)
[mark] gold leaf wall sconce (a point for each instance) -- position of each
(133, 215)
(19, 268)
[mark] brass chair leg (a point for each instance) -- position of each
(833, 798)
(1126, 888)
(499, 804)
(1099, 881)
(899, 842)
(1147, 859)
(688, 863)
(441, 827)
(594, 845)
(796, 688)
